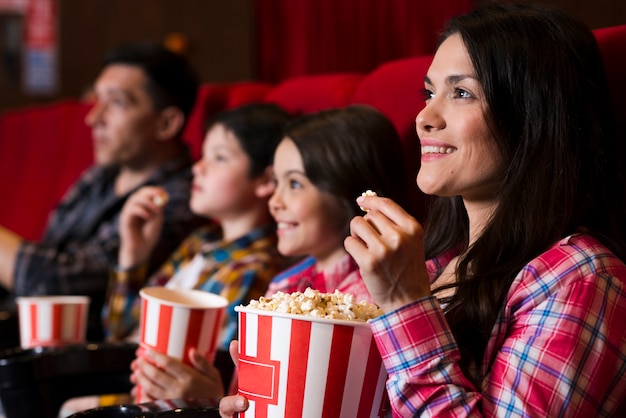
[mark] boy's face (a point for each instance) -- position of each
(123, 120)
(222, 189)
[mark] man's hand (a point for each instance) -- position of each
(9, 244)
(141, 222)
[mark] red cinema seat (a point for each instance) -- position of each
(43, 152)
(247, 92)
(612, 42)
(213, 98)
(313, 93)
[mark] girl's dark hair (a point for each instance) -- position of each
(171, 80)
(549, 111)
(348, 151)
(258, 127)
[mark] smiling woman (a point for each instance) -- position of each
(458, 152)
(494, 300)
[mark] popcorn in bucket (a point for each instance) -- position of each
(310, 354)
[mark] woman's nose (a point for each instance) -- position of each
(430, 118)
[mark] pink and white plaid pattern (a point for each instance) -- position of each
(559, 345)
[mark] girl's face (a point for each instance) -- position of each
(221, 184)
(459, 152)
(309, 221)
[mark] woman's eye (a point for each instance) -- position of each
(295, 184)
(427, 94)
(462, 94)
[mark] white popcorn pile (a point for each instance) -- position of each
(314, 303)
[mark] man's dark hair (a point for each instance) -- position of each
(171, 80)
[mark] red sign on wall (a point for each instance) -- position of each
(13, 5)
(40, 29)
(40, 47)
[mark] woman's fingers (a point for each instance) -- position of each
(392, 211)
(387, 244)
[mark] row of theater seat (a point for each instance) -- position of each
(44, 149)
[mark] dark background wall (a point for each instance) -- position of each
(221, 36)
(595, 13)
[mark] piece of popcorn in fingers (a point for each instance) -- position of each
(367, 193)
(160, 199)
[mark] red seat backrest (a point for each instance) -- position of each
(314, 92)
(612, 42)
(44, 150)
(248, 92)
(213, 98)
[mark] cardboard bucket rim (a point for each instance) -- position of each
(63, 299)
(330, 321)
(188, 298)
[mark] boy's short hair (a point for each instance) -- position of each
(258, 127)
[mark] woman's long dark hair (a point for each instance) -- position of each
(549, 110)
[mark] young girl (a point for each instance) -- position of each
(323, 162)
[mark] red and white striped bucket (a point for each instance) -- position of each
(175, 320)
(292, 365)
(52, 321)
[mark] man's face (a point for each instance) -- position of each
(123, 121)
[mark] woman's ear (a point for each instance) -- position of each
(170, 123)
(265, 183)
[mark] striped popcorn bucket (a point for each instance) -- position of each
(52, 321)
(299, 366)
(175, 320)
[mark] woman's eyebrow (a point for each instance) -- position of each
(452, 79)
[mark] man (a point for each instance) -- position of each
(143, 97)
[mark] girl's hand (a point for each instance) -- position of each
(163, 377)
(388, 245)
(230, 405)
(141, 222)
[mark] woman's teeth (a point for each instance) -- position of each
(431, 149)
